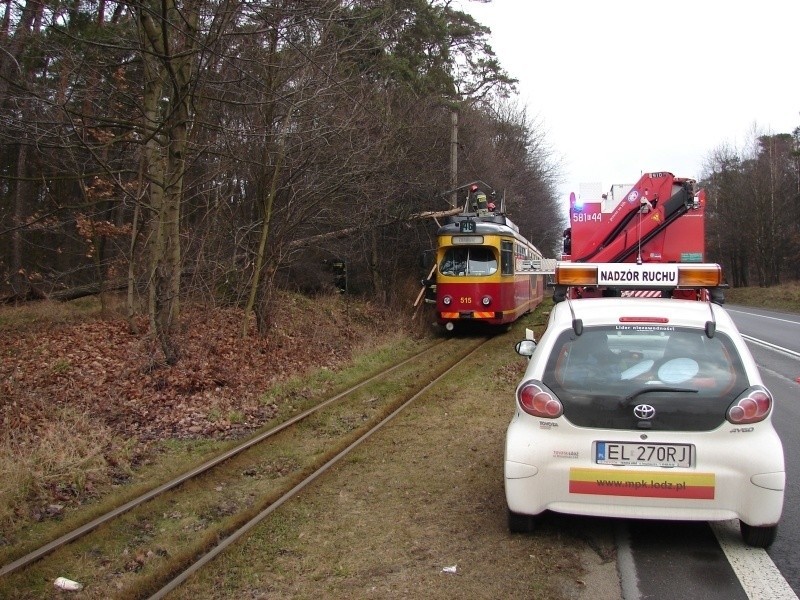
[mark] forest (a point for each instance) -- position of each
(753, 229)
(215, 151)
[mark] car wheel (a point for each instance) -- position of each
(758, 537)
(518, 523)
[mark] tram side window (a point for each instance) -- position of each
(473, 261)
(507, 258)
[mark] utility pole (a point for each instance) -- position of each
(454, 157)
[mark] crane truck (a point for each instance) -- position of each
(659, 220)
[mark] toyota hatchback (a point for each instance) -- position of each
(644, 408)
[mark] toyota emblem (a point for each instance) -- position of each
(644, 411)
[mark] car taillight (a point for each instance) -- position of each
(751, 407)
(538, 401)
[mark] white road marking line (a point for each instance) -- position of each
(730, 310)
(774, 347)
(758, 575)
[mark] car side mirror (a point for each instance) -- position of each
(525, 348)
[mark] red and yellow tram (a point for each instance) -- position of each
(486, 271)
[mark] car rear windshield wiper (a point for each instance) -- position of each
(649, 389)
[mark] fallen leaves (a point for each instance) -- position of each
(82, 401)
(214, 390)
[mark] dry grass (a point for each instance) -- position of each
(83, 403)
(784, 297)
(420, 500)
(51, 313)
(425, 496)
(46, 465)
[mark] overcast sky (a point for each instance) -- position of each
(623, 87)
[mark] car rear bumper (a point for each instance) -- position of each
(552, 469)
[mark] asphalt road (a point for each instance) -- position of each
(780, 368)
(664, 560)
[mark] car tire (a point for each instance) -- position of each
(519, 523)
(758, 536)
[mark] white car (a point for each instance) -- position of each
(648, 409)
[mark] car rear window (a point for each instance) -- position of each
(606, 369)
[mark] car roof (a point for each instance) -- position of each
(605, 311)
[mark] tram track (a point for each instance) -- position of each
(160, 518)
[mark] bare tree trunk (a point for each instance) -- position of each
(262, 319)
(11, 71)
(168, 54)
(159, 300)
(130, 303)
(266, 296)
(18, 279)
(374, 267)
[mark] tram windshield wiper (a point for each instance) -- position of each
(646, 390)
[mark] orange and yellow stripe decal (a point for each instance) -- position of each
(475, 315)
(649, 484)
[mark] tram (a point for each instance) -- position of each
(486, 271)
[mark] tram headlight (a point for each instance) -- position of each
(486, 300)
(447, 300)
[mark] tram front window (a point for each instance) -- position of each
(468, 261)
